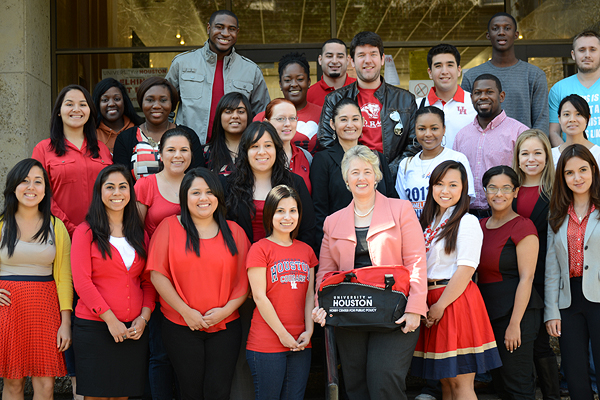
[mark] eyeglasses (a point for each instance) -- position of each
(399, 128)
(495, 190)
(282, 119)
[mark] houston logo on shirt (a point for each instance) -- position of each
(290, 271)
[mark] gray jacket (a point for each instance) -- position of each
(192, 73)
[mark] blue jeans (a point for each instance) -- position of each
(279, 375)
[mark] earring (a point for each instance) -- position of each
(348, 187)
(414, 144)
(444, 141)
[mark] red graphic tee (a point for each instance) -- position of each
(370, 108)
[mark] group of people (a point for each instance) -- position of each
(190, 252)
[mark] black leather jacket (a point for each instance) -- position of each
(395, 147)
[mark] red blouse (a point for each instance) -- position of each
(159, 208)
(575, 239)
(72, 178)
(300, 166)
(258, 229)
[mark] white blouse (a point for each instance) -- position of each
(468, 249)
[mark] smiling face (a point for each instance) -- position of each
(176, 154)
(294, 84)
(367, 62)
(444, 72)
(348, 123)
(74, 110)
(429, 131)
(201, 201)
(571, 121)
(361, 178)
(501, 201)
(286, 216)
(222, 34)
(487, 98)
(448, 190)
(532, 157)
(32, 190)
(502, 33)
(235, 121)
(157, 104)
(285, 128)
(586, 54)
(112, 106)
(334, 60)
(115, 192)
(578, 175)
(262, 154)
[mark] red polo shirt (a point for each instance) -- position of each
(317, 92)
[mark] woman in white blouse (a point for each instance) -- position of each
(453, 241)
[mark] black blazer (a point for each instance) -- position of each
(307, 225)
(329, 192)
(539, 217)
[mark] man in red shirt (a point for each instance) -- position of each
(334, 61)
(389, 111)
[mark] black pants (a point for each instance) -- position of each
(580, 323)
(375, 364)
(204, 362)
(515, 380)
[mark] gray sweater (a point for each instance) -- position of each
(526, 91)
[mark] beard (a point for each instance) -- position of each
(586, 70)
(335, 75)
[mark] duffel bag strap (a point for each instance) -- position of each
(349, 276)
(389, 281)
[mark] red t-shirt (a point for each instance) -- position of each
(218, 91)
(258, 229)
(306, 130)
(72, 178)
(300, 166)
(287, 271)
(370, 108)
(317, 92)
(204, 282)
(159, 208)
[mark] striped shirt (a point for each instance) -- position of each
(487, 148)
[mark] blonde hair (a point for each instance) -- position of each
(364, 153)
(547, 178)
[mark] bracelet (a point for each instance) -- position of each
(145, 320)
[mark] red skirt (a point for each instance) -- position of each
(462, 342)
(28, 329)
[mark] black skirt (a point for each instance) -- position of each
(105, 368)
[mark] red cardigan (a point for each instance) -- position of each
(394, 238)
(104, 285)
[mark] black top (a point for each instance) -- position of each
(127, 140)
(361, 252)
(307, 225)
(329, 192)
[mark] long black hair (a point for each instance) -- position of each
(15, 177)
(219, 152)
(241, 181)
(431, 208)
(57, 133)
(97, 217)
(128, 109)
(193, 239)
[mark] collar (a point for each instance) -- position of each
(459, 96)
(211, 56)
(573, 214)
(328, 88)
(495, 123)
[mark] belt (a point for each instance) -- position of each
(439, 282)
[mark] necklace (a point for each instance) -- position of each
(431, 234)
(424, 173)
(170, 185)
(580, 217)
(151, 141)
(363, 215)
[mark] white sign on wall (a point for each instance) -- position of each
(420, 88)
(131, 78)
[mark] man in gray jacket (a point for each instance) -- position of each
(204, 75)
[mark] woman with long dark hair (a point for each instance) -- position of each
(505, 277)
(197, 263)
(137, 147)
(231, 119)
(457, 340)
(116, 296)
(36, 292)
(115, 111)
(262, 165)
(572, 292)
(72, 155)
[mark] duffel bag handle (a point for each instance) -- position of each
(389, 281)
(349, 276)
